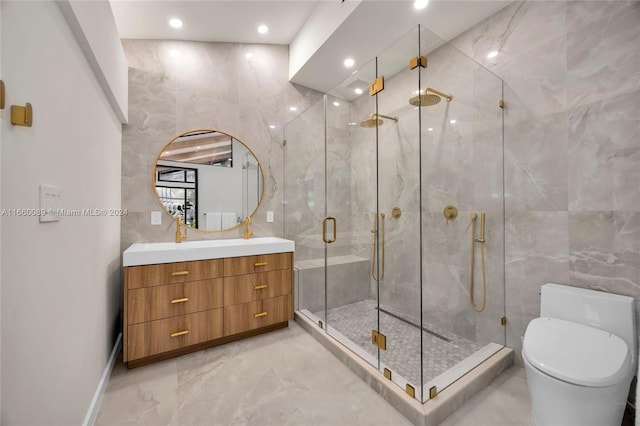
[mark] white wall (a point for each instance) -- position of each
(60, 281)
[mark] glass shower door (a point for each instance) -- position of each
(351, 199)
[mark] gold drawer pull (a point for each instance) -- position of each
(179, 333)
(175, 274)
(184, 299)
(260, 264)
(258, 287)
(261, 314)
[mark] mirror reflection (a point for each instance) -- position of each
(208, 178)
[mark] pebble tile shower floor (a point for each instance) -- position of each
(441, 349)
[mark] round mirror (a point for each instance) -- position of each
(208, 178)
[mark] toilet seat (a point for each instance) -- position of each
(576, 353)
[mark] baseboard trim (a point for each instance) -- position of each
(92, 412)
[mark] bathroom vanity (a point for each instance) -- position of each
(180, 298)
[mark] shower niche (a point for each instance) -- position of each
(403, 292)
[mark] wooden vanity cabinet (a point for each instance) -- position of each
(175, 308)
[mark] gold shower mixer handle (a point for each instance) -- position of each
(450, 212)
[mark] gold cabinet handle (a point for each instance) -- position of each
(175, 274)
(258, 287)
(179, 333)
(324, 229)
(261, 314)
(184, 299)
(260, 264)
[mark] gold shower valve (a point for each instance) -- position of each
(450, 212)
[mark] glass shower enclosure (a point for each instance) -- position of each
(394, 197)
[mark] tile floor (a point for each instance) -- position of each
(442, 349)
(280, 378)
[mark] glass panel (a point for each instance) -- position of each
(399, 213)
(304, 180)
(352, 200)
(462, 163)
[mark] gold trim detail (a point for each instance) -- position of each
(261, 314)
(22, 115)
(396, 212)
(387, 373)
(418, 61)
(259, 287)
(503, 321)
(179, 333)
(2, 94)
(376, 85)
(433, 392)
(501, 103)
(178, 273)
(410, 390)
(184, 299)
(260, 264)
(379, 339)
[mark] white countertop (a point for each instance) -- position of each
(169, 252)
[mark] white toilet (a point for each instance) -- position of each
(580, 357)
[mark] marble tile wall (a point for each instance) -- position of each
(207, 85)
(572, 146)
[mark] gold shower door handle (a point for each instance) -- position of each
(324, 229)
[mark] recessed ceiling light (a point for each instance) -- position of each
(452, 121)
(420, 4)
(336, 103)
(492, 54)
(272, 126)
(349, 62)
(249, 55)
(174, 53)
(175, 22)
(262, 29)
(430, 129)
(358, 91)
(352, 124)
(293, 108)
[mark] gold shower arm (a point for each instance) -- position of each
(384, 116)
(439, 93)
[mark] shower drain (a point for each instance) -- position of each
(426, 330)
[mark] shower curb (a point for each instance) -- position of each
(433, 411)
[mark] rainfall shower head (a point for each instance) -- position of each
(426, 99)
(373, 120)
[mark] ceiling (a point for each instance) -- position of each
(223, 21)
(372, 26)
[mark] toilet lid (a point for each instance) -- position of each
(576, 353)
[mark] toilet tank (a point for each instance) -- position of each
(610, 312)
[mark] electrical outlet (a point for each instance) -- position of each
(270, 216)
(156, 218)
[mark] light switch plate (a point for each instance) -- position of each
(269, 216)
(50, 202)
(156, 218)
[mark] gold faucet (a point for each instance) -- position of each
(247, 232)
(180, 234)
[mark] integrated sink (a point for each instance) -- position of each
(168, 252)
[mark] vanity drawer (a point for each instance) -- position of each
(155, 337)
(253, 264)
(263, 285)
(152, 303)
(256, 314)
(169, 273)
